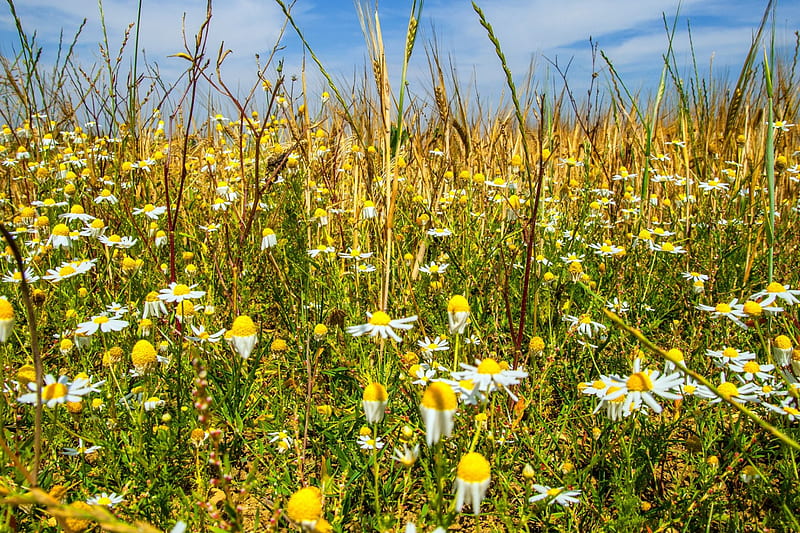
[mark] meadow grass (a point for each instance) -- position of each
(286, 311)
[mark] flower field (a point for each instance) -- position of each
(367, 310)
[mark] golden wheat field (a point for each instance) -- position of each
(383, 307)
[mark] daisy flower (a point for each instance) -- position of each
(102, 323)
(305, 508)
(16, 276)
(364, 268)
(436, 345)
(153, 306)
(243, 335)
(150, 211)
(321, 249)
(380, 323)
(751, 369)
(642, 386)
(473, 476)
(438, 407)
(202, 336)
(730, 356)
(407, 456)
(742, 393)
(178, 292)
(115, 241)
(368, 442)
(56, 391)
(669, 248)
(732, 311)
(584, 325)
(6, 319)
(439, 232)
(80, 450)
(786, 408)
(694, 276)
(69, 269)
(282, 438)
(434, 268)
(776, 291)
(782, 350)
(268, 239)
(105, 500)
(355, 253)
(374, 402)
(489, 375)
(106, 196)
(457, 314)
(555, 495)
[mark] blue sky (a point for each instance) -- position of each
(630, 32)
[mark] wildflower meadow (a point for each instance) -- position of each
(393, 308)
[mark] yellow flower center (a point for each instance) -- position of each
(54, 391)
(440, 397)
(555, 491)
(489, 366)
(100, 319)
(730, 353)
(639, 382)
(782, 342)
(752, 308)
(97, 224)
(243, 326)
(458, 304)
(375, 392)
(305, 505)
(181, 290)
(775, 287)
(6, 310)
(723, 308)
(751, 367)
(473, 468)
(584, 319)
(727, 390)
(379, 318)
(61, 230)
(668, 247)
(143, 354)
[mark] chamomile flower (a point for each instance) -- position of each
(775, 291)
(751, 369)
(694, 276)
(668, 247)
(105, 500)
(473, 476)
(457, 314)
(364, 268)
(438, 407)
(150, 211)
(243, 335)
(178, 292)
(439, 232)
(584, 325)
(321, 249)
(6, 319)
(555, 495)
(374, 401)
(153, 306)
(305, 508)
(488, 375)
(380, 323)
(56, 391)
(106, 196)
(730, 356)
(732, 311)
(16, 276)
(268, 239)
(281, 439)
(434, 268)
(369, 442)
(642, 386)
(436, 345)
(69, 269)
(203, 336)
(729, 390)
(80, 449)
(787, 409)
(101, 323)
(407, 456)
